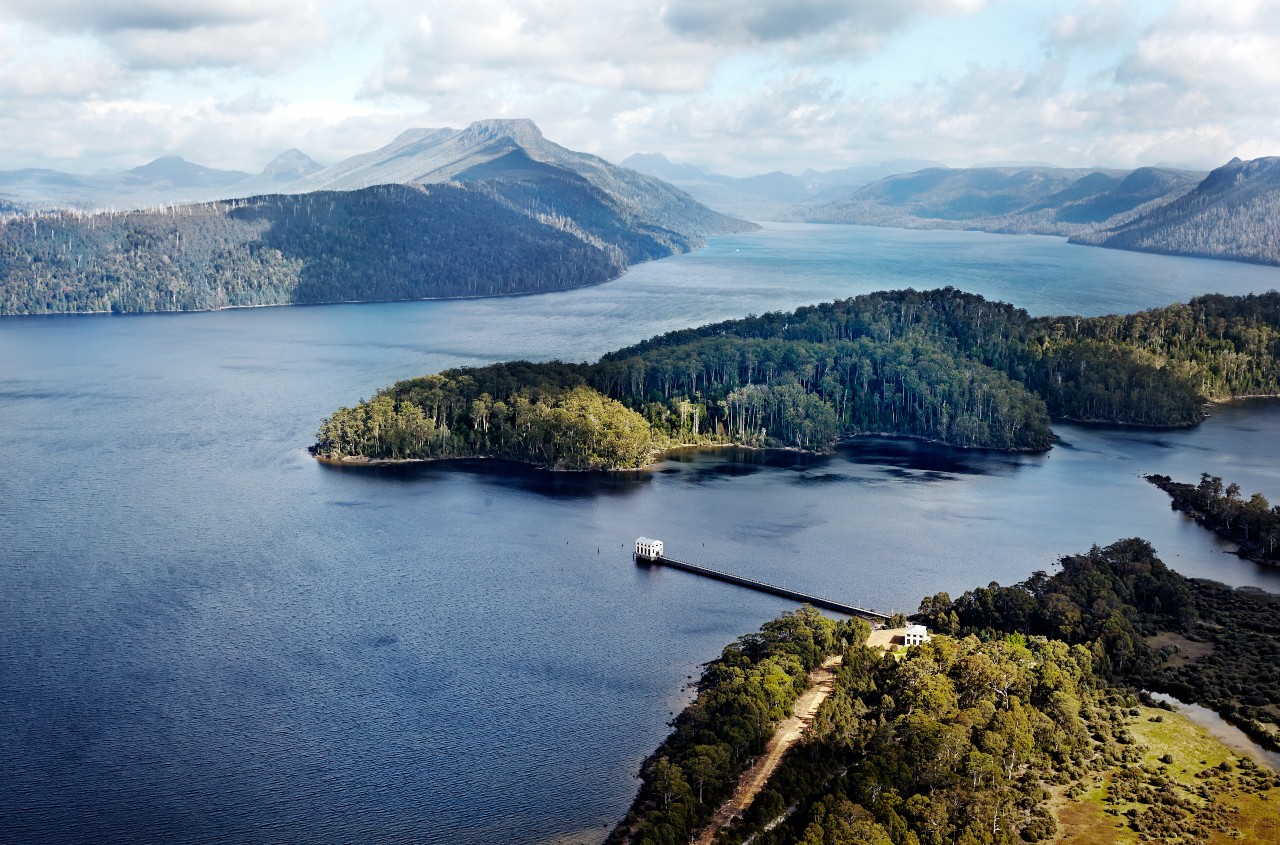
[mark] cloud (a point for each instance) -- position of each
(162, 15)
(1099, 23)
(859, 25)
(742, 86)
(72, 77)
(161, 34)
(487, 45)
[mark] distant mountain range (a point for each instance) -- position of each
(491, 209)
(167, 180)
(1232, 213)
(1040, 200)
(769, 196)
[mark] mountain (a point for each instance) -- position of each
(180, 174)
(286, 168)
(166, 180)
(767, 196)
(389, 242)
(1234, 213)
(490, 210)
(1041, 200)
(514, 158)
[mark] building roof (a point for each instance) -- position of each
(647, 540)
(917, 629)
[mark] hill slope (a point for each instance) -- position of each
(495, 209)
(1234, 213)
(384, 243)
(1040, 200)
(515, 152)
(767, 196)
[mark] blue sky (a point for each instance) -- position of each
(743, 87)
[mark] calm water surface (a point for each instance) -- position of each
(207, 637)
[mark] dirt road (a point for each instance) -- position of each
(821, 682)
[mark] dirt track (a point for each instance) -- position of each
(821, 682)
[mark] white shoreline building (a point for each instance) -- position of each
(648, 547)
(915, 635)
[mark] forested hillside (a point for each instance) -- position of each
(383, 243)
(1234, 213)
(941, 364)
(1020, 721)
(1014, 200)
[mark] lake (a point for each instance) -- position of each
(209, 637)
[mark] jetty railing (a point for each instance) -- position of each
(762, 587)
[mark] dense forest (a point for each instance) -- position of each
(942, 365)
(1132, 612)
(388, 242)
(1231, 214)
(1024, 715)
(741, 698)
(1253, 523)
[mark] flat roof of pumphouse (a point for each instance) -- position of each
(647, 540)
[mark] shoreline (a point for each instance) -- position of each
(322, 304)
(657, 455)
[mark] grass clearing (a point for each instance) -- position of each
(1217, 806)
(1189, 651)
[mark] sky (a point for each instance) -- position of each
(741, 87)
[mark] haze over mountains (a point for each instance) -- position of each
(1040, 200)
(1232, 213)
(169, 179)
(510, 202)
(768, 196)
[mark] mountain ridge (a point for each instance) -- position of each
(1234, 213)
(491, 210)
(1007, 200)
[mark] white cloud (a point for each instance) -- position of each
(743, 87)
(72, 77)
(847, 27)
(480, 45)
(1096, 23)
(147, 34)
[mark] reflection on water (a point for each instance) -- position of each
(209, 637)
(1222, 730)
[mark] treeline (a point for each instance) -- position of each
(741, 697)
(537, 413)
(1113, 601)
(958, 742)
(941, 365)
(388, 242)
(1253, 523)
(1108, 600)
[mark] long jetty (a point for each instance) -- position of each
(762, 587)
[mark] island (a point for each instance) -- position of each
(942, 365)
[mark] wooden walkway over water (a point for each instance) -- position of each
(762, 587)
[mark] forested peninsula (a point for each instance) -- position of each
(1022, 720)
(387, 242)
(1253, 523)
(942, 365)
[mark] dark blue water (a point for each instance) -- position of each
(207, 637)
